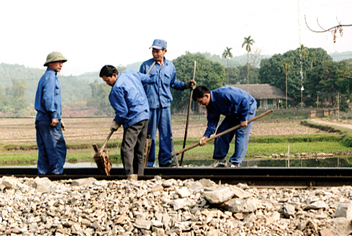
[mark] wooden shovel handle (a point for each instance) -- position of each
(106, 140)
(150, 68)
(222, 133)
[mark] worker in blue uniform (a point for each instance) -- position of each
(130, 103)
(162, 78)
(50, 140)
(238, 107)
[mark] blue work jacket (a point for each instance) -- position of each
(48, 97)
(161, 79)
(128, 98)
(228, 101)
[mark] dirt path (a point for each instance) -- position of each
(343, 124)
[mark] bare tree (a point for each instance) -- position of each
(255, 57)
(333, 30)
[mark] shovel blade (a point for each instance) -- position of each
(102, 160)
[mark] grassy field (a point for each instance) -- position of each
(268, 137)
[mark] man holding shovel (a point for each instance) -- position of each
(162, 77)
(130, 103)
(238, 107)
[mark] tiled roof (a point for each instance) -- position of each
(262, 91)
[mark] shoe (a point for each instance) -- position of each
(171, 164)
(235, 165)
(220, 163)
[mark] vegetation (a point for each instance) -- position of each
(208, 73)
(319, 74)
(248, 41)
(259, 146)
(227, 54)
(310, 68)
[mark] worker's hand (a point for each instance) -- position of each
(114, 126)
(243, 123)
(190, 84)
(54, 122)
(203, 141)
(62, 126)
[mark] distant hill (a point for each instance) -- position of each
(74, 87)
(340, 56)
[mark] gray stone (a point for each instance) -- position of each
(344, 210)
(83, 182)
(241, 205)
(9, 182)
(218, 194)
(289, 210)
(143, 224)
(183, 192)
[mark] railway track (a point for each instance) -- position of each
(252, 176)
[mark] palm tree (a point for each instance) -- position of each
(286, 68)
(227, 54)
(248, 42)
(312, 58)
(303, 52)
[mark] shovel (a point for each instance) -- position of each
(101, 156)
(189, 109)
(220, 134)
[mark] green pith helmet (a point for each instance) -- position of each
(53, 57)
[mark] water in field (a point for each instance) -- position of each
(327, 162)
(342, 161)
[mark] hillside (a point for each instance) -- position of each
(76, 88)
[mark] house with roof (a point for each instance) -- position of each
(267, 96)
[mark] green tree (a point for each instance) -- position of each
(227, 54)
(100, 98)
(330, 78)
(248, 42)
(271, 70)
(14, 100)
(208, 73)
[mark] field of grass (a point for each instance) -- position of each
(18, 144)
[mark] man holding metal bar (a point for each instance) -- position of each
(238, 107)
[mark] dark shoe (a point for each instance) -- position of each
(235, 165)
(171, 164)
(220, 163)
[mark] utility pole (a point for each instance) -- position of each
(338, 106)
(302, 94)
(318, 93)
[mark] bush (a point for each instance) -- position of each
(347, 139)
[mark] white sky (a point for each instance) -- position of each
(91, 34)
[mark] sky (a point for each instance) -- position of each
(91, 34)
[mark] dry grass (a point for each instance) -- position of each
(90, 130)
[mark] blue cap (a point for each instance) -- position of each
(159, 44)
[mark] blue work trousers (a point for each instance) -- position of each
(51, 148)
(160, 119)
(222, 143)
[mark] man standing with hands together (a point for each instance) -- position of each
(157, 89)
(50, 140)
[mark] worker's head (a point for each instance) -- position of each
(201, 94)
(109, 74)
(159, 48)
(55, 61)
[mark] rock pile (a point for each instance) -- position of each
(169, 207)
